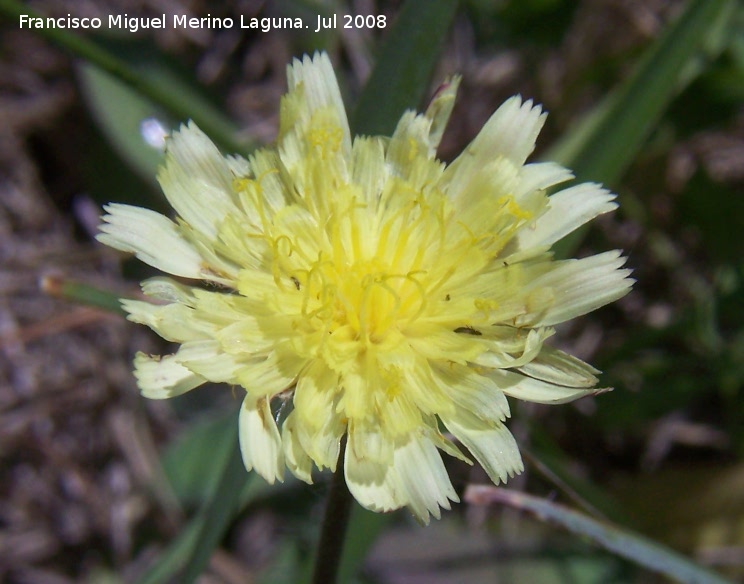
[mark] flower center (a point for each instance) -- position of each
(369, 297)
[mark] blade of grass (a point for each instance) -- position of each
(609, 138)
(171, 561)
(364, 527)
(404, 66)
(189, 554)
(82, 293)
(219, 510)
(622, 542)
(119, 112)
(183, 107)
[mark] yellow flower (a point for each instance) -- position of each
(371, 289)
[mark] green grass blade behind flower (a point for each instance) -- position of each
(404, 66)
(609, 138)
(213, 465)
(621, 542)
(81, 293)
(219, 511)
(548, 460)
(364, 527)
(119, 111)
(182, 105)
(173, 559)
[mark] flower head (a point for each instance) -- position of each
(375, 291)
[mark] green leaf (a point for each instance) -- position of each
(364, 528)
(609, 138)
(120, 112)
(82, 293)
(285, 566)
(219, 511)
(193, 461)
(182, 106)
(125, 115)
(362, 532)
(607, 141)
(404, 66)
(621, 542)
(171, 561)
(555, 466)
(189, 554)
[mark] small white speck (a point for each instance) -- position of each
(154, 133)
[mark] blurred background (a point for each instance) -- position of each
(99, 485)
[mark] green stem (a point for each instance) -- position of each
(335, 522)
(215, 125)
(61, 287)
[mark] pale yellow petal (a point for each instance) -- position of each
(320, 427)
(415, 477)
(568, 210)
(260, 442)
(438, 343)
(220, 264)
(168, 290)
(523, 351)
(424, 483)
(174, 322)
(207, 359)
(368, 171)
(267, 190)
(409, 143)
(575, 287)
(534, 390)
(197, 180)
(509, 134)
(297, 459)
(268, 375)
(238, 166)
(313, 87)
(163, 377)
(374, 485)
(539, 176)
(559, 368)
(244, 336)
(315, 395)
(491, 443)
(153, 238)
(440, 108)
(511, 131)
(470, 391)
